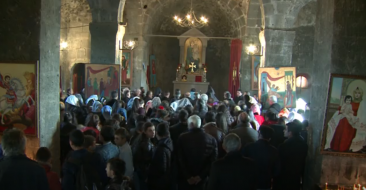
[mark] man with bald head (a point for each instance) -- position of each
(244, 130)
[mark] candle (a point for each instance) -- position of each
(326, 186)
(359, 187)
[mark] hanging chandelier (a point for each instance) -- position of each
(190, 20)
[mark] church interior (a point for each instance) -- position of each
(243, 44)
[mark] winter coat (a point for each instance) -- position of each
(196, 152)
(159, 174)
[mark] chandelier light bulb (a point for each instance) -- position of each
(175, 17)
(179, 20)
(188, 17)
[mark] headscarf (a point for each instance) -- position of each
(122, 112)
(130, 102)
(80, 98)
(180, 104)
(107, 112)
(156, 102)
(92, 97)
(211, 94)
(72, 100)
(96, 107)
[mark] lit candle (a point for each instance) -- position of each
(326, 186)
(359, 186)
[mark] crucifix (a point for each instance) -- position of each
(192, 65)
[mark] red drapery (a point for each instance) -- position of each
(235, 57)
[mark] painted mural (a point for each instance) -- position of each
(279, 82)
(345, 123)
(18, 97)
(101, 79)
(127, 68)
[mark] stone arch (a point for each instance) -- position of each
(235, 9)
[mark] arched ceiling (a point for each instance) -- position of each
(156, 16)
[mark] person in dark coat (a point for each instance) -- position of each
(244, 130)
(179, 128)
(116, 169)
(142, 151)
(239, 96)
(212, 129)
(196, 152)
(234, 171)
(16, 170)
(114, 99)
(266, 157)
(175, 131)
(159, 174)
(292, 157)
(43, 157)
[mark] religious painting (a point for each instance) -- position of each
(256, 62)
(192, 54)
(344, 130)
(127, 68)
(279, 82)
(153, 71)
(101, 79)
(18, 97)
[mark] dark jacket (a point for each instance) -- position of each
(238, 98)
(118, 184)
(21, 173)
(142, 152)
(70, 169)
(266, 157)
(218, 134)
(278, 135)
(111, 102)
(175, 131)
(233, 172)
(292, 157)
(159, 174)
(196, 152)
(246, 134)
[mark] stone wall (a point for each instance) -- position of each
(75, 19)
(339, 48)
(347, 57)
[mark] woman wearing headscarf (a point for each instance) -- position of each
(211, 94)
(106, 113)
(72, 105)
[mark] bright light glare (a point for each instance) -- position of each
(252, 49)
(63, 45)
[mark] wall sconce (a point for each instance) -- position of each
(253, 49)
(63, 45)
(128, 44)
(302, 81)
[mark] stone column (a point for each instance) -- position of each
(49, 68)
(103, 42)
(279, 45)
(139, 74)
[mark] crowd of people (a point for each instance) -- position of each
(156, 142)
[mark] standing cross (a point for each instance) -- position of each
(192, 65)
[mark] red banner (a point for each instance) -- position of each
(235, 57)
(271, 78)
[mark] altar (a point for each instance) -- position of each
(191, 72)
